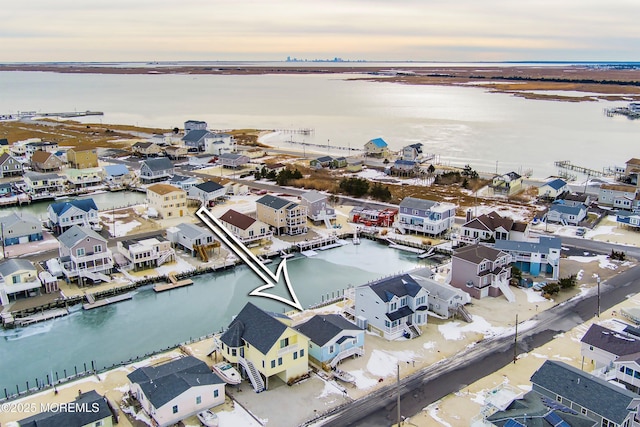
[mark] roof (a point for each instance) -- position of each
(593, 393)
(415, 203)
(321, 328)
(41, 156)
(231, 156)
(76, 233)
(165, 382)
(313, 196)
(617, 343)
(14, 218)
(192, 231)
(116, 170)
(180, 178)
(405, 162)
(4, 141)
(477, 253)
(209, 186)
(564, 209)
(143, 144)
(85, 205)
(237, 219)
(254, 326)
(398, 286)
(556, 184)
(633, 161)
(36, 176)
(399, 313)
(440, 290)
(543, 246)
(195, 135)
(4, 157)
(98, 409)
(379, 142)
(196, 122)
(163, 188)
(12, 265)
(619, 187)
(159, 164)
(273, 202)
(575, 197)
(324, 159)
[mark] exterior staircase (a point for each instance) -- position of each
(464, 313)
(411, 330)
(415, 330)
(201, 252)
(400, 228)
(506, 290)
(327, 222)
(254, 375)
(353, 351)
(95, 276)
(164, 256)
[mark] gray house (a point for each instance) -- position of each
(98, 413)
(425, 216)
(564, 214)
(64, 215)
(9, 166)
(84, 255)
(234, 161)
(188, 236)
(482, 271)
(195, 140)
(190, 125)
(206, 192)
(443, 299)
(20, 228)
(156, 170)
(317, 207)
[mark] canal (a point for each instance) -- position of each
(150, 321)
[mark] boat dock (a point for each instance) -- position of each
(173, 284)
(321, 243)
(65, 114)
(406, 248)
(41, 317)
(566, 164)
(106, 301)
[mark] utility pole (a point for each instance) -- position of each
(515, 342)
(598, 281)
(2, 237)
(398, 393)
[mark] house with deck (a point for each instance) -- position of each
(84, 255)
(482, 271)
(425, 216)
(617, 195)
(88, 409)
(393, 307)
(219, 143)
(266, 347)
(19, 228)
(175, 152)
(82, 159)
(156, 170)
(147, 253)
(508, 184)
(601, 347)
(412, 152)
(565, 214)
(376, 148)
(232, 160)
(44, 161)
(605, 403)
(553, 188)
(190, 125)
(284, 216)
(117, 175)
(190, 237)
(403, 167)
(195, 140)
(332, 338)
(318, 208)
(443, 299)
(167, 201)
(44, 185)
(32, 147)
(83, 178)
(175, 390)
(184, 182)
(245, 228)
(541, 256)
(6, 189)
(146, 149)
(18, 277)
(9, 166)
(207, 192)
(64, 215)
(628, 219)
(492, 227)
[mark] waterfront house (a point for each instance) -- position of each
(393, 307)
(245, 228)
(492, 227)
(184, 182)
(534, 257)
(160, 139)
(207, 192)
(147, 253)
(574, 199)
(632, 169)
(5, 147)
(607, 404)
(195, 140)
(563, 214)
(508, 184)
(117, 175)
(318, 208)
(321, 162)
(284, 216)
(64, 215)
(6, 189)
(17, 277)
(425, 216)
(32, 147)
(168, 201)
(17, 228)
(629, 219)
(9, 166)
(219, 143)
(82, 178)
(619, 196)
(155, 170)
(332, 338)
(146, 149)
(412, 152)
(84, 255)
(482, 271)
(189, 237)
(44, 185)
(442, 299)
(552, 189)
(234, 161)
(175, 152)
(601, 346)
(82, 159)
(175, 390)
(88, 409)
(265, 346)
(190, 125)
(44, 161)
(376, 148)
(405, 167)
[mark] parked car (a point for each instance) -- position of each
(581, 231)
(208, 418)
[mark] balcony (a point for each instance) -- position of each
(288, 349)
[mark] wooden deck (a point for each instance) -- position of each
(173, 284)
(106, 301)
(40, 317)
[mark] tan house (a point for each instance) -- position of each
(245, 228)
(175, 152)
(82, 159)
(377, 148)
(146, 149)
(284, 216)
(44, 161)
(168, 201)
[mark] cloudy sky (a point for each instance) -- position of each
(427, 30)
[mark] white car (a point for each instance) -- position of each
(208, 418)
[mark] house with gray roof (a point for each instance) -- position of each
(534, 257)
(393, 307)
(190, 125)
(508, 184)
(219, 143)
(156, 170)
(286, 217)
(321, 162)
(443, 299)
(232, 160)
(194, 140)
(565, 214)
(84, 255)
(44, 185)
(332, 338)
(9, 166)
(482, 271)
(146, 149)
(607, 404)
(188, 237)
(318, 208)
(117, 175)
(425, 216)
(90, 409)
(176, 390)
(20, 228)
(601, 346)
(412, 152)
(64, 215)
(17, 277)
(207, 192)
(184, 182)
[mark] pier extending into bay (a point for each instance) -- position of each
(566, 164)
(25, 115)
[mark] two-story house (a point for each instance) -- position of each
(195, 140)
(117, 175)
(376, 148)
(284, 216)
(175, 152)
(632, 169)
(245, 228)
(265, 346)
(168, 201)
(233, 160)
(492, 226)
(425, 216)
(184, 182)
(332, 338)
(618, 196)
(156, 170)
(44, 161)
(143, 254)
(64, 215)
(84, 255)
(534, 257)
(393, 307)
(9, 166)
(32, 147)
(482, 271)
(508, 184)
(82, 159)
(17, 228)
(44, 185)
(318, 208)
(97, 413)
(207, 192)
(189, 237)
(146, 149)
(553, 188)
(175, 390)
(190, 125)
(412, 152)
(219, 143)
(17, 276)
(443, 299)
(83, 178)
(601, 347)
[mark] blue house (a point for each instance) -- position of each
(534, 257)
(628, 218)
(6, 189)
(64, 215)
(332, 338)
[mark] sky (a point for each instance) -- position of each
(272, 30)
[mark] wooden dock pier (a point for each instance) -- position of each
(22, 115)
(566, 164)
(93, 303)
(173, 283)
(41, 317)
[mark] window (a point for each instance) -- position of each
(273, 364)
(295, 355)
(80, 252)
(98, 423)
(215, 393)
(279, 361)
(198, 400)
(284, 342)
(234, 352)
(175, 409)
(301, 352)
(97, 248)
(393, 306)
(559, 398)
(332, 348)
(628, 371)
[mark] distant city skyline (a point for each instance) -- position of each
(272, 30)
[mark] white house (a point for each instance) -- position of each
(219, 143)
(318, 208)
(425, 216)
(206, 192)
(552, 189)
(245, 228)
(64, 215)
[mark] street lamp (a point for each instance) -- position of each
(598, 282)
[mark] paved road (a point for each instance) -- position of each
(433, 383)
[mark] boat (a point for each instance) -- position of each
(208, 418)
(344, 376)
(227, 373)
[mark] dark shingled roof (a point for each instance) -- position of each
(399, 286)
(163, 383)
(85, 205)
(254, 326)
(209, 186)
(593, 393)
(158, 164)
(400, 313)
(195, 135)
(71, 418)
(611, 341)
(477, 253)
(273, 202)
(237, 219)
(321, 328)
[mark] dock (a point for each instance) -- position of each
(406, 248)
(41, 317)
(93, 303)
(21, 115)
(173, 284)
(566, 164)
